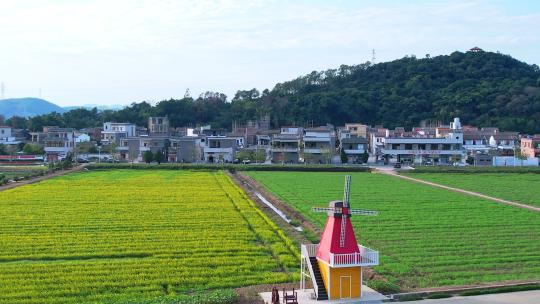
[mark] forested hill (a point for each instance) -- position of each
(482, 88)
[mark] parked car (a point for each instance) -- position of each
(397, 165)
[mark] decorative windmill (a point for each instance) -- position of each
(339, 258)
(342, 209)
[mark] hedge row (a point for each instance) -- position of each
(232, 167)
(471, 169)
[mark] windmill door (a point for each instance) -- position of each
(345, 287)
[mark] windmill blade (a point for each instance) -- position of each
(342, 232)
(346, 191)
(362, 212)
(328, 209)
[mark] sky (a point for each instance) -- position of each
(109, 52)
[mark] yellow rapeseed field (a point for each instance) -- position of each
(90, 236)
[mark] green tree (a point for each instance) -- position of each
(67, 162)
(519, 155)
(344, 158)
(34, 149)
(148, 156)
(364, 157)
(245, 155)
(159, 157)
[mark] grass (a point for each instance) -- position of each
(113, 235)
(518, 187)
(427, 237)
(18, 172)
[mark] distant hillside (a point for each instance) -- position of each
(26, 107)
(483, 88)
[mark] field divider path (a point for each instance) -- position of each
(472, 193)
(42, 178)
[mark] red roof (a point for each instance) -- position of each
(331, 237)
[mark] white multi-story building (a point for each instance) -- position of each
(58, 143)
(319, 144)
(6, 136)
(285, 146)
(220, 149)
(114, 131)
(419, 149)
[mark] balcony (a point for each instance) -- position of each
(312, 150)
(421, 152)
(354, 151)
(217, 150)
(366, 256)
(317, 139)
(285, 150)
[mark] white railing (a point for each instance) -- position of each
(311, 249)
(312, 150)
(217, 150)
(366, 257)
(293, 150)
(307, 251)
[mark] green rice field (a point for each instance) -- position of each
(426, 236)
(519, 187)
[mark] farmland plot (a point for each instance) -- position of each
(519, 187)
(88, 237)
(426, 236)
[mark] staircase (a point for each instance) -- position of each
(321, 292)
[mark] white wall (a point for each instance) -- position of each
(510, 161)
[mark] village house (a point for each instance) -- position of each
(114, 131)
(285, 146)
(220, 149)
(58, 143)
(530, 146)
(319, 144)
(421, 149)
(185, 149)
(7, 136)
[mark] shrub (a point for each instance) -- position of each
(383, 286)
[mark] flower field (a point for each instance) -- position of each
(519, 187)
(426, 236)
(91, 236)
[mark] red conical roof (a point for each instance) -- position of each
(330, 240)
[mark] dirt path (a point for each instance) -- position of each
(491, 198)
(40, 178)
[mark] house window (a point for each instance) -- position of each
(446, 147)
(421, 146)
(408, 146)
(395, 146)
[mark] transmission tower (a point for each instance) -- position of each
(373, 56)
